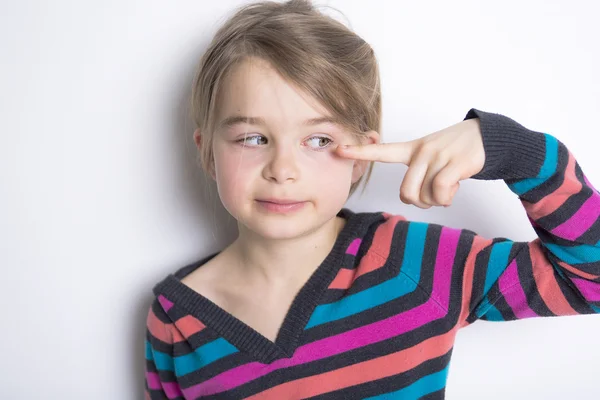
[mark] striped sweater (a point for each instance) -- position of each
(378, 318)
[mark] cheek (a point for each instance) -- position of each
(338, 170)
(233, 175)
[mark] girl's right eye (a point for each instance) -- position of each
(245, 140)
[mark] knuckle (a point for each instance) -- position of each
(441, 182)
(407, 198)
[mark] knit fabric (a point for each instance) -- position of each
(378, 318)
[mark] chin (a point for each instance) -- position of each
(281, 225)
(276, 228)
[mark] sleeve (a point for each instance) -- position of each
(556, 274)
(160, 378)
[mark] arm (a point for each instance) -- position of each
(558, 273)
(160, 379)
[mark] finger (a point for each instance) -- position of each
(410, 190)
(446, 183)
(398, 152)
(429, 193)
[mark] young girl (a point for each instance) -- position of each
(315, 300)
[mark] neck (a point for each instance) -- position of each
(284, 263)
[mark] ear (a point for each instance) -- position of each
(199, 143)
(360, 166)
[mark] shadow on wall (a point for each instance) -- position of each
(199, 197)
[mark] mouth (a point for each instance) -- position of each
(280, 201)
(280, 205)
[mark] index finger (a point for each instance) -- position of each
(398, 152)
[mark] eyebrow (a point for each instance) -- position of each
(240, 119)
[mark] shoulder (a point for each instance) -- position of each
(158, 322)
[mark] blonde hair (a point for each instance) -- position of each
(309, 49)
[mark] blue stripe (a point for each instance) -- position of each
(424, 386)
(162, 361)
(548, 168)
(497, 263)
(489, 310)
(492, 314)
(203, 355)
(384, 292)
(185, 364)
(584, 253)
(149, 355)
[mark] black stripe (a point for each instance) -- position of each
(165, 376)
(573, 296)
(552, 183)
(432, 243)
(158, 344)
(479, 274)
(333, 295)
(529, 285)
(439, 395)
(566, 210)
(592, 235)
(504, 309)
(160, 312)
(463, 249)
(215, 368)
(389, 269)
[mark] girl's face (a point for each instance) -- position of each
(273, 142)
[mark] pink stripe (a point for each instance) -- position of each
(153, 380)
(165, 303)
(511, 289)
(353, 248)
(581, 221)
(356, 338)
(589, 290)
(444, 261)
(171, 389)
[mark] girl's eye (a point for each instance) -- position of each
(322, 140)
(245, 140)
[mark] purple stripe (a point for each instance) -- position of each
(359, 337)
(444, 261)
(589, 290)
(153, 380)
(171, 389)
(165, 303)
(353, 248)
(511, 289)
(581, 221)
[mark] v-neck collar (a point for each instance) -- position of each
(247, 338)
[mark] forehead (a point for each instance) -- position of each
(255, 88)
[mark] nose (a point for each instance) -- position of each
(282, 164)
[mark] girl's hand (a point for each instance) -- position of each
(437, 162)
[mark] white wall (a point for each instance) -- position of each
(101, 196)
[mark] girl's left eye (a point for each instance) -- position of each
(320, 141)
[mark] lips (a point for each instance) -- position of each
(280, 201)
(280, 206)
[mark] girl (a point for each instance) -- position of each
(313, 299)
